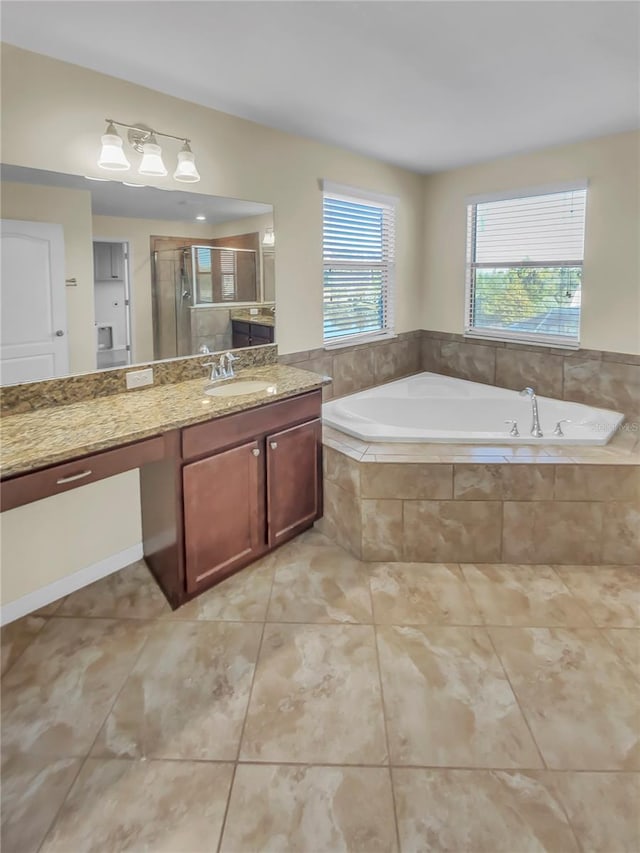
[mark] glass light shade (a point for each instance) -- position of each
(186, 170)
(152, 161)
(269, 238)
(112, 156)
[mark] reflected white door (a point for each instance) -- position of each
(33, 315)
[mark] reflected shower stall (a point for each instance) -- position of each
(194, 287)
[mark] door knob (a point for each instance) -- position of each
(273, 445)
(256, 451)
(59, 333)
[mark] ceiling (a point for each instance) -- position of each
(113, 198)
(424, 85)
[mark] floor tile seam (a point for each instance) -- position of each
(83, 762)
(383, 709)
(54, 820)
(37, 634)
(581, 606)
(618, 654)
(517, 699)
(230, 762)
(236, 762)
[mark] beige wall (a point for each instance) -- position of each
(72, 210)
(138, 233)
(44, 541)
(53, 116)
(611, 278)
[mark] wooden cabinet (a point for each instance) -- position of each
(293, 487)
(239, 486)
(250, 334)
(108, 262)
(222, 513)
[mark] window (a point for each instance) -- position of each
(358, 255)
(524, 266)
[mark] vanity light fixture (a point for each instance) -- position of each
(269, 238)
(143, 139)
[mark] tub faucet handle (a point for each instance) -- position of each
(514, 429)
(558, 427)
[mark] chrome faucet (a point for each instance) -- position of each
(536, 432)
(229, 358)
(223, 369)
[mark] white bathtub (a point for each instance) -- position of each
(432, 407)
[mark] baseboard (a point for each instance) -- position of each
(68, 584)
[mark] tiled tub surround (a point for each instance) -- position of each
(355, 368)
(607, 380)
(461, 503)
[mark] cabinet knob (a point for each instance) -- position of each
(59, 333)
(273, 445)
(256, 451)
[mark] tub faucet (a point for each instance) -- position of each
(536, 432)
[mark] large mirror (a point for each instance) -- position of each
(99, 274)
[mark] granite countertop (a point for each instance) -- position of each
(47, 436)
(260, 319)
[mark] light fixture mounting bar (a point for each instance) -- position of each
(147, 131)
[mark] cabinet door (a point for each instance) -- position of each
(293, 480)
(102, 261)
(223, 513)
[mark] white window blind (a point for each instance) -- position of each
(524, 267)
(228, 272)
(358, 255)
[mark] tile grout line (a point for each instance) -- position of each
(384, 711)
(83, 761)
(37, 634)
(236, 762)
(515, 696)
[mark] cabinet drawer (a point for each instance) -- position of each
(234, 429)
(259, 331)
(27, 488)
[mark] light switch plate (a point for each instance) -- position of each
(139, 378)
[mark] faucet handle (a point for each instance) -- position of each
(514, 429)
(558, 427)
(215, 369)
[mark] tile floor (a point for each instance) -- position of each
(316, 703)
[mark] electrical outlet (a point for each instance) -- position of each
(253, 311)
(139, 378)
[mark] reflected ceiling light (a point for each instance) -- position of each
(112, 156)
(269, 238)
(201, 218)
(143, 140)
(186, 170)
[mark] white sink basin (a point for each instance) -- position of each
(239, 387)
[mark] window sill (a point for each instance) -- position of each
(356, 340)
(525, 341)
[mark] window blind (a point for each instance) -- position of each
(228, 272)
(524, 267)
(358, 255)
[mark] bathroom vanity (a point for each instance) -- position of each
(223, 480)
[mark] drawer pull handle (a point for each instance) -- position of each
(256, 451)
(73, 477)
(273, 445)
